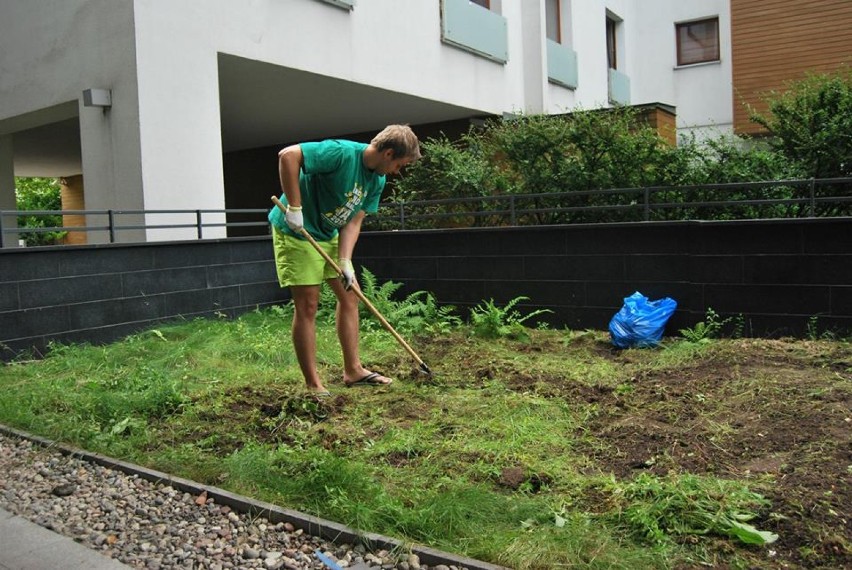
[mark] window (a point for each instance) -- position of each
(618, 83)
(697, 42)
(553, 20)
(611, 58)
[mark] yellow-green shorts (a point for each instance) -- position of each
(298, 263)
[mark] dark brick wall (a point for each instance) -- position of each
(778, 274)
(100, 293)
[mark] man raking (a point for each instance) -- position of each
(328, 188)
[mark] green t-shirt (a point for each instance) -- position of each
(335, 185)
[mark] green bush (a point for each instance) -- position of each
(450, 169)
(39, 194)
(563, 159)
(810, 124)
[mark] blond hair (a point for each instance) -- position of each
(400, 139)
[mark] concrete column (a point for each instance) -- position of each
(7, 190)
(534, 47)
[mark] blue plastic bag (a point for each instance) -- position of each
(640, 322)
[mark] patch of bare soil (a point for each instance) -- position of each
(765, 412)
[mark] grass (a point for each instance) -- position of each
(550, 451)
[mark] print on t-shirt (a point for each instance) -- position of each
(342, 213)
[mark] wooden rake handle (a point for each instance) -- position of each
(357, 290)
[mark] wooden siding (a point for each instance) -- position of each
(662, 119)
(71, 190)
(774, 42)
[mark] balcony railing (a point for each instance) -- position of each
(619, 87)
(561, 65)
(476, 29)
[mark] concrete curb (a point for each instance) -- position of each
(327, 530)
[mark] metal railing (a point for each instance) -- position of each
(830, 197)
(115, 221)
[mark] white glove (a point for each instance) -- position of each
(294, 218)
(348, 277)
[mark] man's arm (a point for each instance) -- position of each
(290, 161)
(348, 236)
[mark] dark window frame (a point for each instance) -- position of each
(611, 43)
(714, 56)
(558, 38)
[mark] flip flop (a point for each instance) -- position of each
(321, 394)
(371, 379)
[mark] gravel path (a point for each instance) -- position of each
(155, 526)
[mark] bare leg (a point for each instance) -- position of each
(347, 323)
(306, 301)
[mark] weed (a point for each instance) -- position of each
(490, 321)
(812, 332)
(709, 328)
(418, 312)
(739, 326)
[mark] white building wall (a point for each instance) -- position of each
(588, 24)
(49, 53)
(702, 93)
(382, 43)
(180, 136)
(160, 145)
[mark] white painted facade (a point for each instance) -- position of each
(193, 79)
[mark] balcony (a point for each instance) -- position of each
(619, 88)
(471, 27)
(561, 65)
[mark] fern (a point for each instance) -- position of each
(490, 321)
(699, 333)
(709, 328)
(380, 295)
(417, 312)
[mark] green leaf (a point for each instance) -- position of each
(750, 535)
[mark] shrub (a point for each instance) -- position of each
(810, 124)
(39, 194)
(561, 159)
